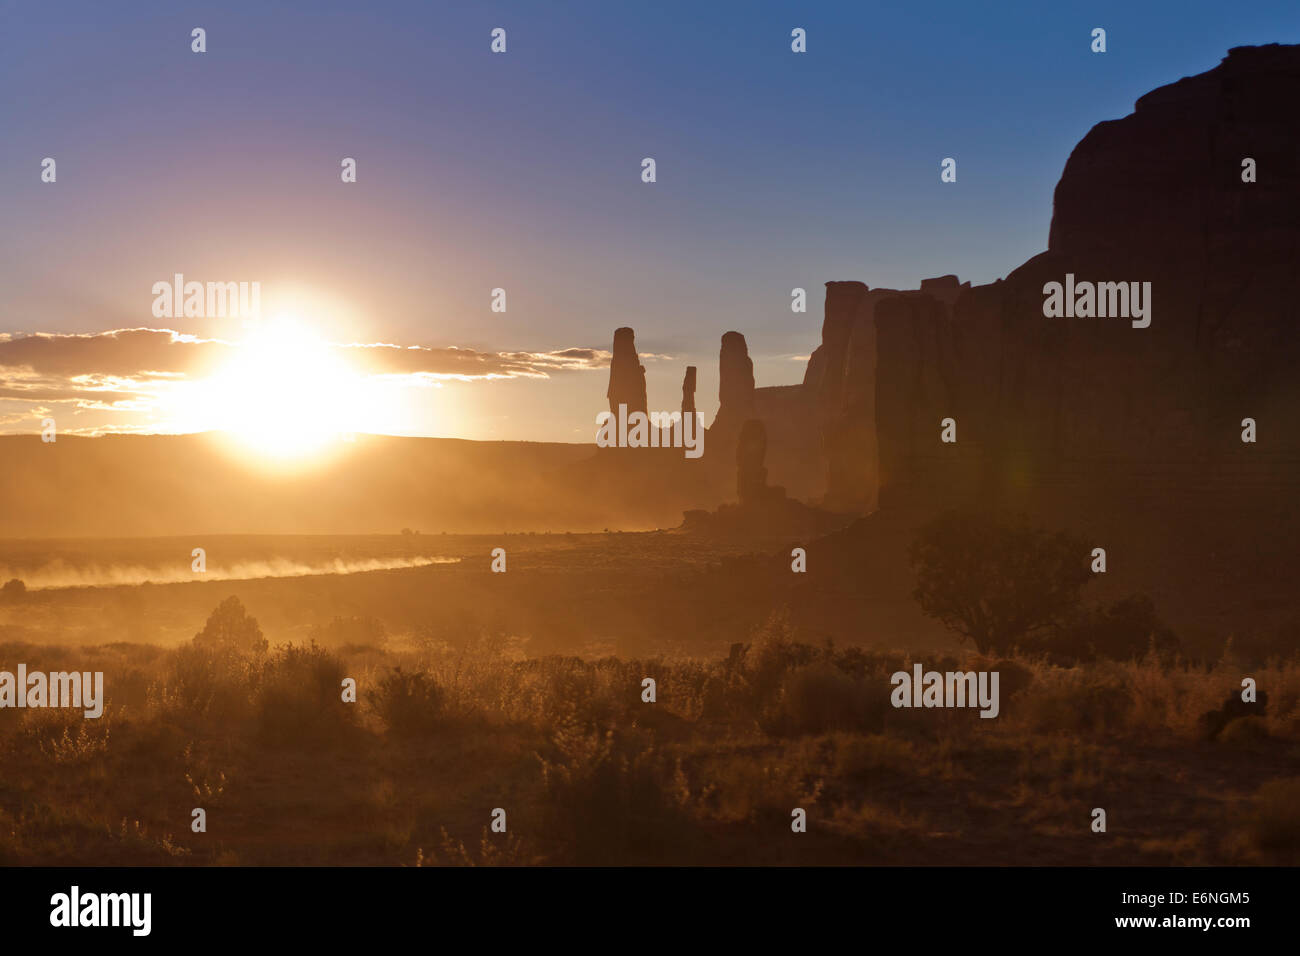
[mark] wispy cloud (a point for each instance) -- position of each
(128, 370)
(469, 364)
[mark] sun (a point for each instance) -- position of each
(286, 394)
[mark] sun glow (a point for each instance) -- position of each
(287, 394)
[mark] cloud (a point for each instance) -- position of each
(128, 369)
(122, 352)
(468, 364)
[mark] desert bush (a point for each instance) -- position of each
(202, 775)
(1125, 630)
(742, 789)
(1077, 700)
(208, 684)
(724, 696)
(1199, 700)
(550, 690)
(586, 692)
(614, 796)
(231, 627)
(65, 736)
(818, 698)
(478, 675)
(409, 703)
(772, 655)
(689, 683)
(84, 745)
(299, 697)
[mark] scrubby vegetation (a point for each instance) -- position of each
(1004, 585)
(445, 731)
(997, 580)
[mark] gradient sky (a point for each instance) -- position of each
(522, 171)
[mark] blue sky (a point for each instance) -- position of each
(521, 170)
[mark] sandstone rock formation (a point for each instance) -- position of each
(1042, 403)
(626, 374)
(1046, 403)
(688, 391)
(751, 476)
(1090, 415)
(1131, 436)
(1170, 172)
(735, 393)
(763, 510)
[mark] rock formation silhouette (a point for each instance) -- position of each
(1045, 404)
(1129, 435)
(735, 393)
(763, 510)
(1080, 420)
(626, 374)
(751, 476)
(1093, 403)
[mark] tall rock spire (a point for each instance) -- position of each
(626, 374)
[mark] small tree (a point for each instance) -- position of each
(996, 582)
(231, 627)
(14, 590)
